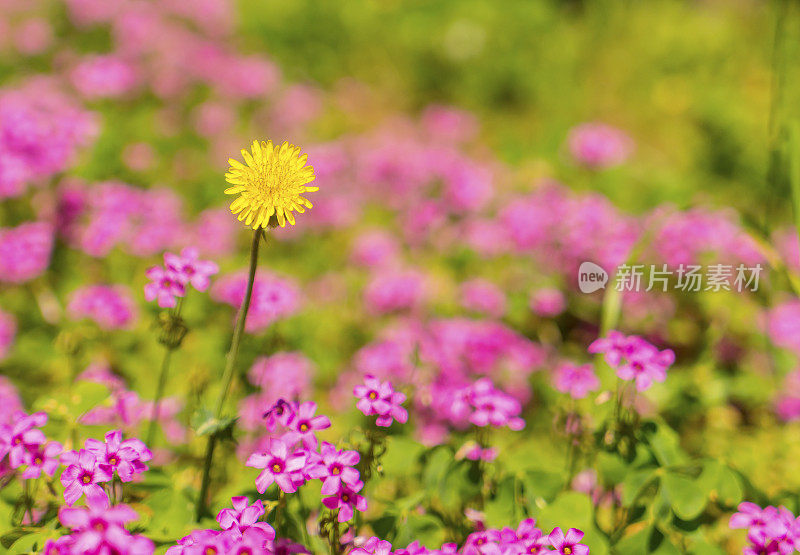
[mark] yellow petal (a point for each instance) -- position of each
(248, 159)
(236, 164)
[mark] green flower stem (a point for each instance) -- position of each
(227, 376)
(162, 382)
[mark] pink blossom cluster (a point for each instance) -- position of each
(294, 456)
(95, 218)
(484, 297)
(273, 298)
(110, 306)
(479, 404)
(769, 530)
(380, 399)
(421, 177)
(25, 251)
(634, 358)
(22, 443)
(560, 229)
(41, 131)
(395, 290)
(241, 532)
(526, 538)
(97, 463)
(461, 349)
(106, 76)
(575, 380)
(683, 237)
(125, 409)
(98, 529)
(597, 145)
(168, 282)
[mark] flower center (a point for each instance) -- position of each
(345, 498)
(113, 461)
(210, 550)
(17, 440)
(567, 550)
(37, 461)
(86, 479)
(304, 427)
(372, 395)
(336, 470)
(99, 525)
(277, 467)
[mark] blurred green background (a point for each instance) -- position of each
(690, 80)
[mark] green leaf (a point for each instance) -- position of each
(204, 423)
(542, 486)
(684, 495)
(571, 509)
(501, 509)
(425, 528)
(401, 452)
(173, 514)
(721, 484)
(649, 540)
(634, 482)
(612, 468)
(665, 444)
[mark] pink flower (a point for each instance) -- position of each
(125, 457)
(380, 398)
(82, 476)
(548, 302)
(568, 545)
(279, 466)
(597, 145)
(165, 287)
(190, 269)
(112, 307)
(103, 77)
(493, 407)
(306, 424)
(243, 517)
(22, 435)
(375, 249)
(483, 296)
(576, 380)
(273, 298)
(98, 528)
(42, 458)
(634, 358)
(40, 132)
(345, 500)
(335, 468)
(25, 251)
(373, 546)
(395, 291)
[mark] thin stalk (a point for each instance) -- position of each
(227, 376)
(162, 378)
(162, 382)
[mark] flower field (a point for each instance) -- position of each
(399, 277)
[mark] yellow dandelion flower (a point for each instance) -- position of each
(269, 184)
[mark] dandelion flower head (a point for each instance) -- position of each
(270, 184)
